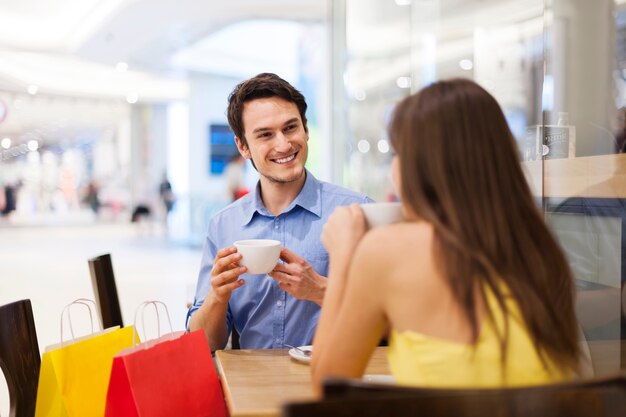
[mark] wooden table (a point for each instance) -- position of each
(259, 382)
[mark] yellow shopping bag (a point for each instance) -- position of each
(74, 377)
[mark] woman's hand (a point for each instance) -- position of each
(342, 233)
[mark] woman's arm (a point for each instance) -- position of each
(352, 319)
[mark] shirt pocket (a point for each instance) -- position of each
(318, 260)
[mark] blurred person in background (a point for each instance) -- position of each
(92, 197)
(167, 195)
(144, 200)
(67, 185)
(9, 199)
(474, 286)
(234, 173)
(268, 117)
(3, 200)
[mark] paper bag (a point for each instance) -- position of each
(73, 379)
(170, 376)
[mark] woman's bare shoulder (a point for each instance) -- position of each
(385, 245)
(399, 234)
(397, 260)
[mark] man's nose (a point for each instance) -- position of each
(283, 144)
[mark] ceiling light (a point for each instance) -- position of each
(132, 98)
(466, 64)
(121, 67)
(383, 146)
(33, 145)
(32, 89)
(403, 82)
(6, 143)
(363, 146)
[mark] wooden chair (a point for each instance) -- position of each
(19, 357)
(598, 398)
(103, 282)
(234, 339)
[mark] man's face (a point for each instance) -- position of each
(277, 141)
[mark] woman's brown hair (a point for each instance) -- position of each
(461, 173)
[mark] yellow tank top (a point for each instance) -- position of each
(419, 360)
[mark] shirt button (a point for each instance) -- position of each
(278, 340)
(279, 303)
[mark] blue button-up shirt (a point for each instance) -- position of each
(265, 316)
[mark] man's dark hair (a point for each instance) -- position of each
(261, 86)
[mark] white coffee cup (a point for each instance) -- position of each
(380, 214)
(258, 255)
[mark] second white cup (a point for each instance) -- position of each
(380, 214)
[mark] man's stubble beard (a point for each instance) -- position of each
(276, 180)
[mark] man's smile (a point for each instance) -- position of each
(285, 159)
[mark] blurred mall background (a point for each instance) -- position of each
(102, 100)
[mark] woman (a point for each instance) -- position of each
(473, 286)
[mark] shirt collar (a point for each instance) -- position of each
(309, 199)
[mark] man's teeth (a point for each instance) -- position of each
(287, 159)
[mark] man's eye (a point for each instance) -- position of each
(290, 128)
(264, 135)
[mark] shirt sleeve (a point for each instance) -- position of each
(209, 251)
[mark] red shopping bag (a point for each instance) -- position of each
(170, 376)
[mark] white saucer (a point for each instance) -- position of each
(379, 379)
(299, 356)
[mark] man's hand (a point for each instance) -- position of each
(225, 274)
(298, 278)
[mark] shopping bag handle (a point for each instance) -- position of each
(82, 301)
(142, 308)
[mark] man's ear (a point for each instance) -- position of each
(243, 148)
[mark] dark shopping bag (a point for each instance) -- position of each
(172, 375)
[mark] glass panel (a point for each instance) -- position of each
(558, 69)
(377, 75)
(395, 47)
(497, 44)
(584, 166)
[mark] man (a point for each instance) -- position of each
(267, 116)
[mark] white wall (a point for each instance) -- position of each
(208, 100)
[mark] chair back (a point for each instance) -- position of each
(234, 339)
(599, 398)
(19, 357)
(105, 290)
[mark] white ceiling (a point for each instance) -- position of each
(71, 46)
(147, 32)
(68, 49)
(245, 49)
(50, 26)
